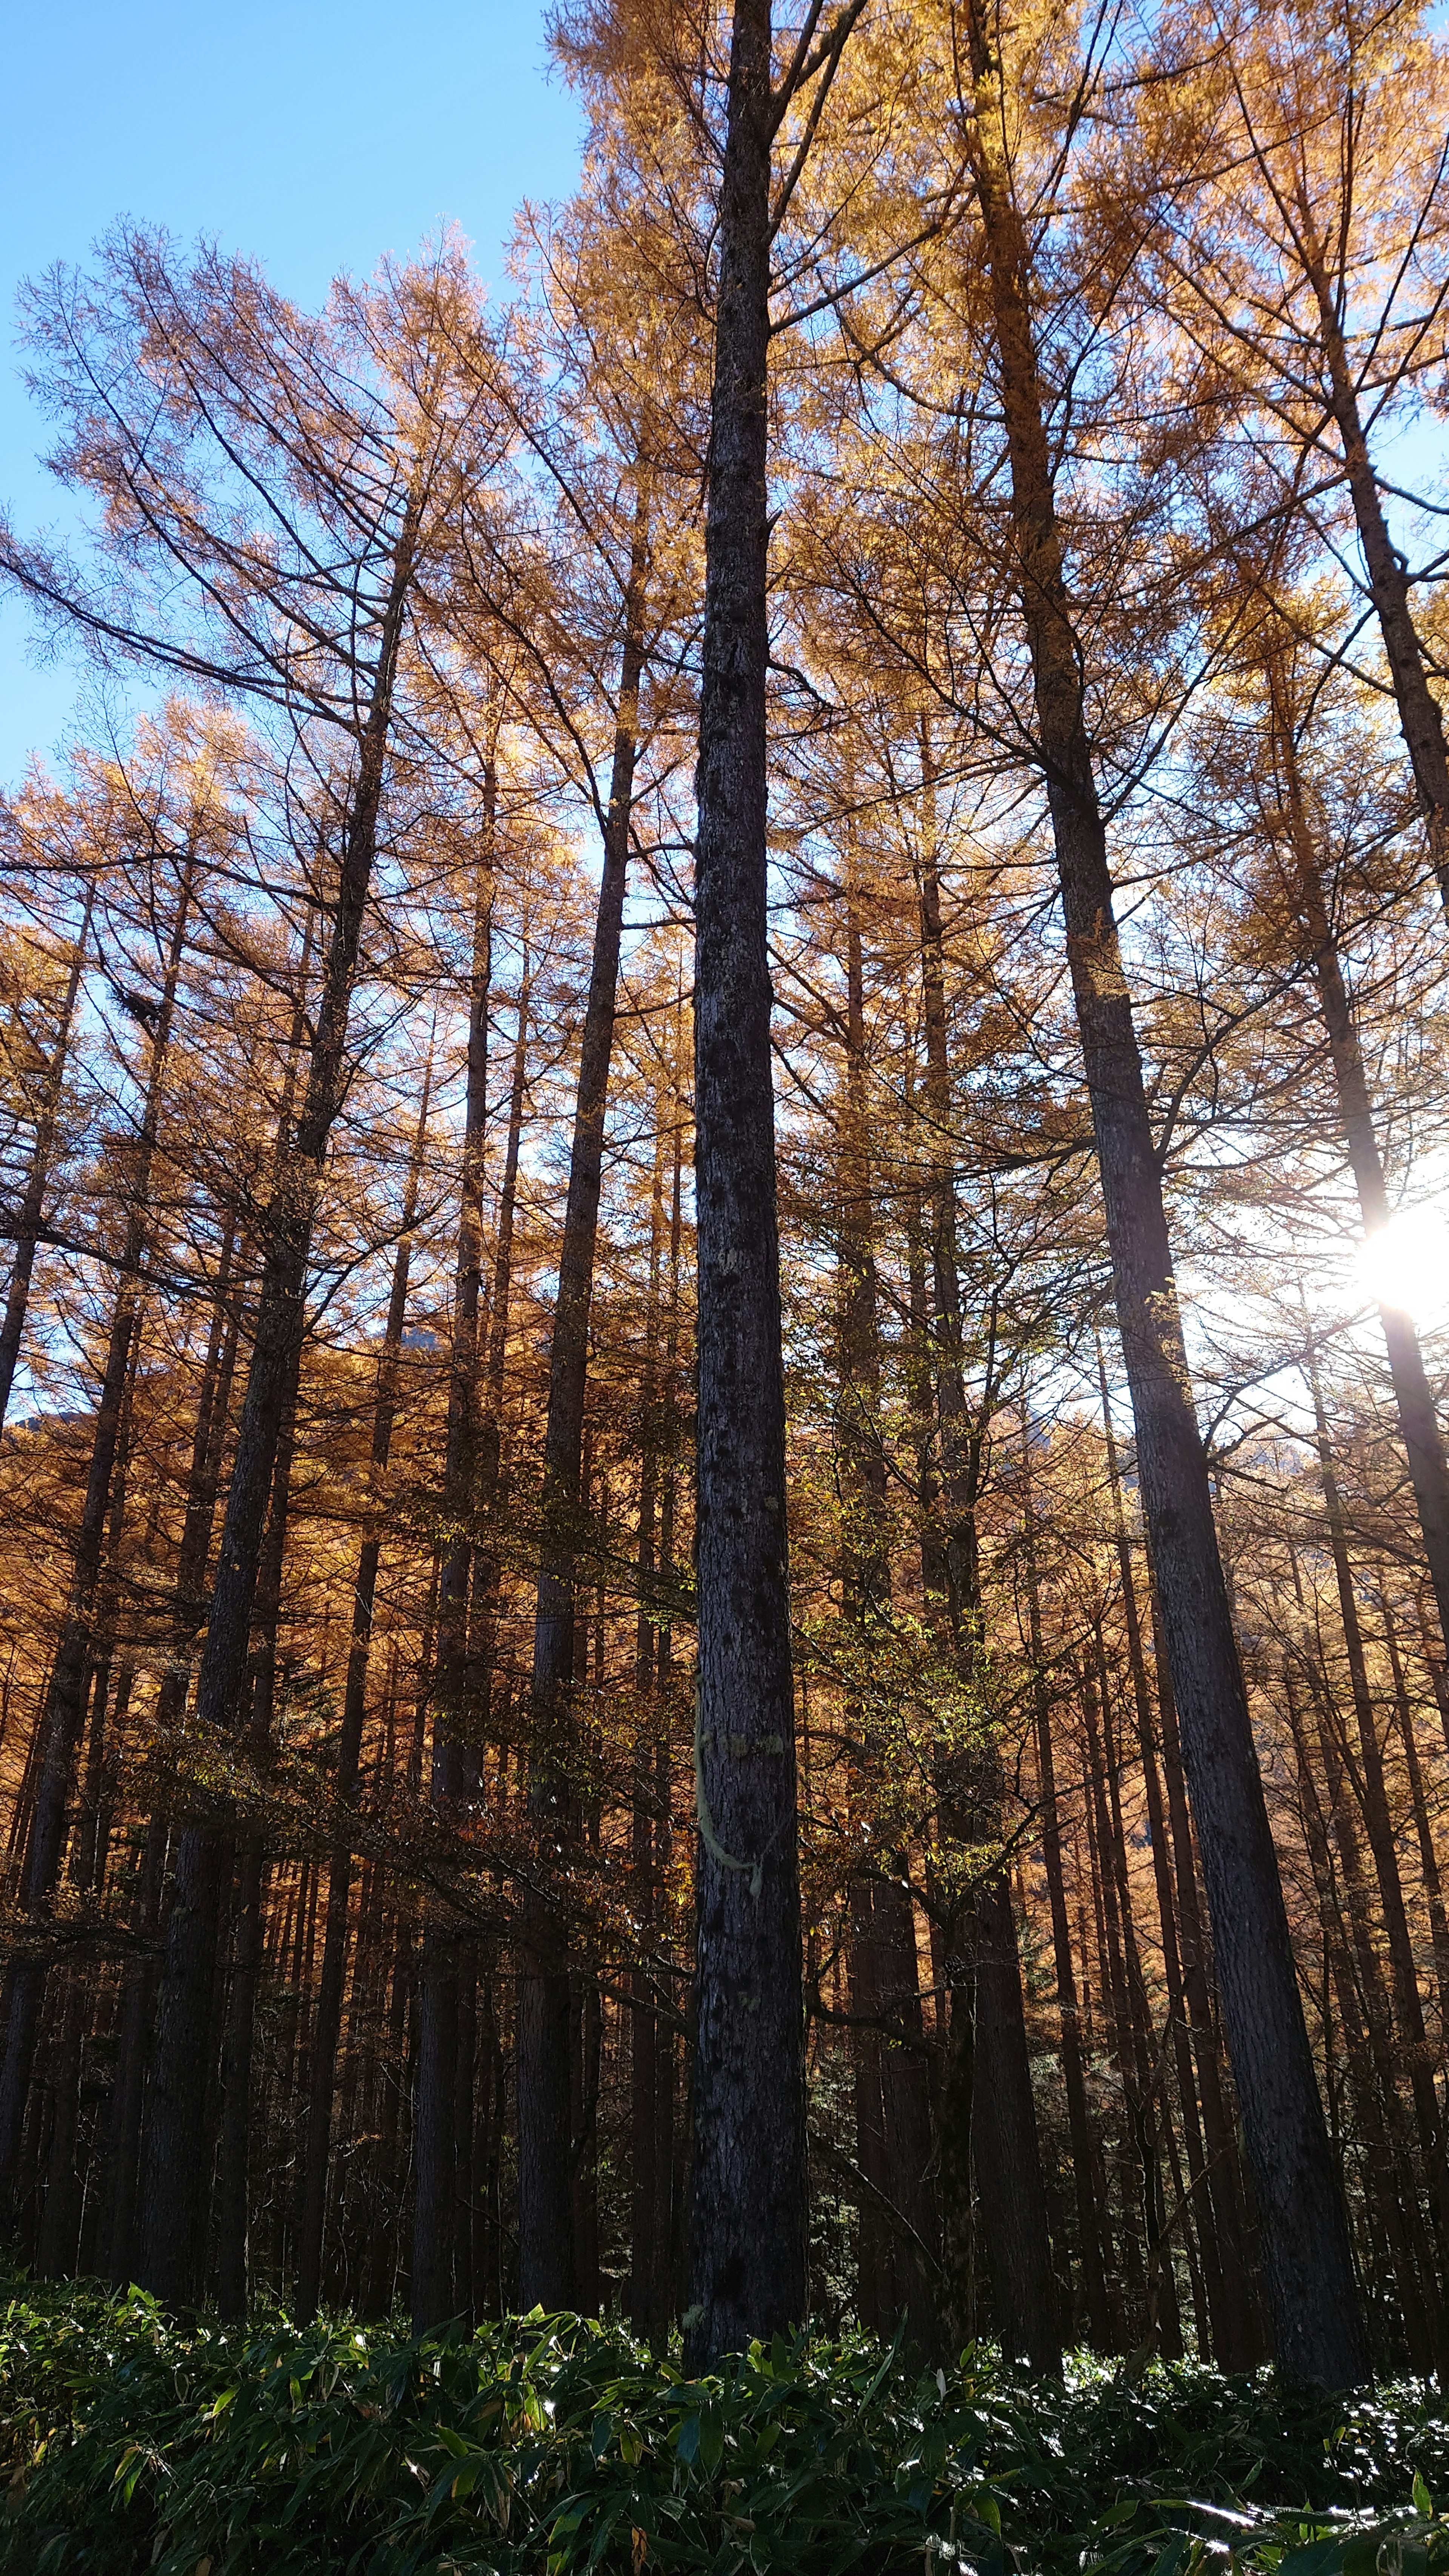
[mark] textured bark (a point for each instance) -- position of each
(749, 2185)
(1307, 2258)
(545, 2228)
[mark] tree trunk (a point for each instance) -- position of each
(749, 2189)
(1304, 2228)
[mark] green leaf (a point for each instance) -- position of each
(686, 2439)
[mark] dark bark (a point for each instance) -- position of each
(749, 2187)
(1303, 2224)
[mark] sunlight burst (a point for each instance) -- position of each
(1406, 1264)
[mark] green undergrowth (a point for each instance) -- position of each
(556, 2447)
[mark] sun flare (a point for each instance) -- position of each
(1406, 1264)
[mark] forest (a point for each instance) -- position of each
(724, 1523)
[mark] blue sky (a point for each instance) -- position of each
(313, 136)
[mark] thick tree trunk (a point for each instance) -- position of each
(1304, 2228)
(749, 2190)
(545, 2231)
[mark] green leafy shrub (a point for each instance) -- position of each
(557, 2448)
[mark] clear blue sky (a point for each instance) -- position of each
(313, 136)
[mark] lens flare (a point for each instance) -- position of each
(1406, 1264)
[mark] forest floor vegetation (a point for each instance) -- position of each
(131, 2442)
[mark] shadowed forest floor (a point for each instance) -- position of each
(559, 2446)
